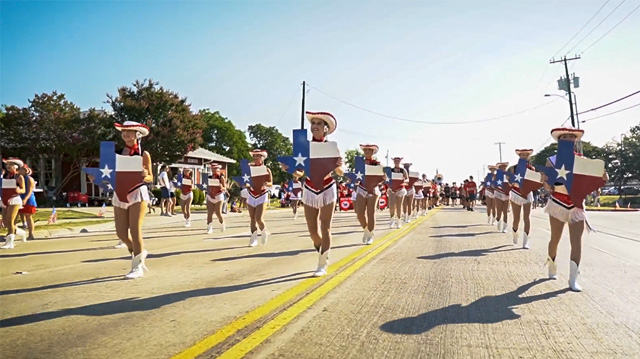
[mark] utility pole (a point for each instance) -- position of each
(304, 85)
(568, 84)
(500, 147)
(387, 157)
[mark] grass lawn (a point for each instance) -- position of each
(69, 224)
(43, 214)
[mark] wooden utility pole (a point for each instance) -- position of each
(304, 85)
(568, 84)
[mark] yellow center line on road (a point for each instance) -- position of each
(263, 310)
(256, 338)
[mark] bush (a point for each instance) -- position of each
(623, 201)
(198, 196)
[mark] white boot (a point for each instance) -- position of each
(254, 239)
(264, 236)
(553, 268)
(574, 272)
(499, 225)
(398, 223)
(370, 238)
(493, 220)
(187, 223)
(525, 240)
(392, 223)
(323, 264)
(295, 216)
(9, 241)
(489, 221)
(515, 238)
(223, 226)
(120, 245)
(504, 227)
(365, 235)
(137, 266)
(210, 228)
(21, 233)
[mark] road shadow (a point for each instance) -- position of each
(290, 253)
(462, 235)
(486, 310)
(459, 226)
(131, 305)
(163, 255)
(62, 285)
(17, 255)
(470, 253)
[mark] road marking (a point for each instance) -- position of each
(256, 338)
(263, 310)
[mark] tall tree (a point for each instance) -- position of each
(624, 158)
(276, 144)
(350, 158)
(175, 130)
(221, 136)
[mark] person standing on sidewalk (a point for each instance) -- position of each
(215, 197)
(519, 203)
(397, 192)
(29, 204)
(258, 198)
(165, 186)
(472, 192)
(186, 196)
(366, 202)
(561, 210)
(13, 187)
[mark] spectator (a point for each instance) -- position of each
(165, 186)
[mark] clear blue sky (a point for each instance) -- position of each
(434, 61)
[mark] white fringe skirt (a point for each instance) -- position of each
(516, 198)
(257, 201)
(500, 196)
(566, 213)
(318, 200)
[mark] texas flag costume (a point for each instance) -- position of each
(525, 179)
(8, 186)
(502, 185)
(370, 175)
(121, 173)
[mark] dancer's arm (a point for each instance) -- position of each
(147, 173)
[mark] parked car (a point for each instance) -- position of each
(630, 191)
(274, 191)
(610, 191)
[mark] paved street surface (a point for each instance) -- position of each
(446, 286)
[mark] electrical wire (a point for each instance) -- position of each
(610, 103)
(611, 113)
(592, 30)
(289, 105)
(582, 28)
(428, 122)
(607, 33)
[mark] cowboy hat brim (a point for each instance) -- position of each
(15, 161)
(133, 126)
(557, 132)
(375, 148)
(524, 151)
(328, 118)
(262, 153)
(502, 164)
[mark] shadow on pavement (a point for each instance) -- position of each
(462, 235)
(459, 226)
(471, 253)
(62, 285)
(290, 253)
(130, 305)
(486, 310)
(54, 252)
(163, 255)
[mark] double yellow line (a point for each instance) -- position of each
(257, 337)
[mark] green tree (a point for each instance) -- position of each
(221, 136)
(175, 130)
(276, 144)
(624, 158)
(350, 158)
(589, 151)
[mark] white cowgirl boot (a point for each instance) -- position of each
(264, 236)
(493, 220)
(210, 228)
(137, 266)
(489, 221)
(223, 227)
(187, 223)
(323, 264)
(553, 268)
(499, 225)
(392, 223)
(370, 238)
(120, 245)
(295, 216)
(504, 227)
(525, 240)
(9, 241)
(254, 239)
(21, 233)
(515, 237)
(398, 223)
(366, 235)
(574, 272)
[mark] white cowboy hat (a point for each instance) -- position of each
(398, 158)
(521, 151)
(506, 164)
(328, 118)
(262, 153)
(557, 132)
(16, 161)
(492, 167)
(215, 166)
(143, 130)
(375, 148)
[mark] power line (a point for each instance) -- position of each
(607, 33)
(600, 23)
(582, 28)
(550, 137)
(611, 113)
(294, 96)
(428, 122)
(609, 103)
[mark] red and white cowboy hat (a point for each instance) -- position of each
(506, 164)
(298, 173)
(492, 167)
(143, 130)
(215, 166)
(409, 164)
(524, 151)
(557, 132)
(375, 148)
(12, 160)
(328, 118)
(262, 153)
(28, 169)
(397, 158)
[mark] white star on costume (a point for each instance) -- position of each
(246, 178)
(499, 182)
(488, 183)
(563, 172)
(518, 178)
(106, 172)
(300, 159)
(359, 175)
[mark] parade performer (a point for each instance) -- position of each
(407, 205)
(426, 188)
(418, 198)
(501, 197)
(259, 196)
(519, 202)
(565, 204)
(186, 196)
(13, 186)
(296, 193)
(216, 188)
(129, 213)
(29, 204)
(489, 191)
(367, 198)
(397, 192)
